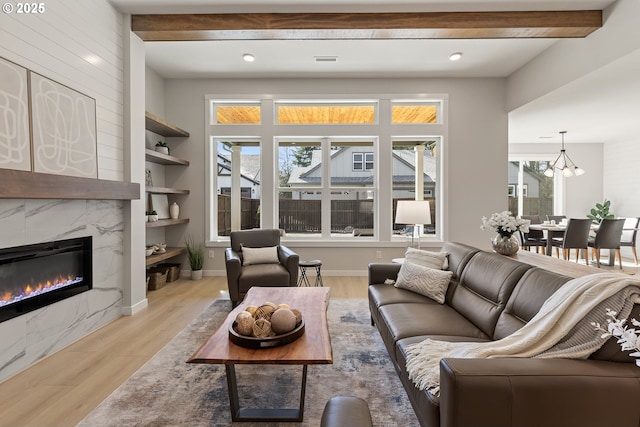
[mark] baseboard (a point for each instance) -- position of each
(131, 310)
(323, 272)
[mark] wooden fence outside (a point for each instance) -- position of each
(305, 216)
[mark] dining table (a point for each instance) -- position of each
(557, 230)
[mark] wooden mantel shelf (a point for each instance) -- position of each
(32, 185)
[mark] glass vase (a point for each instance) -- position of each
(505, 245)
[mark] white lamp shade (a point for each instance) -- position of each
(413, 212)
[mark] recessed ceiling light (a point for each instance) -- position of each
(248, 57)
(455, 56)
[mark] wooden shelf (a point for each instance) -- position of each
(170, 253)
(33, 185)
(166, 222)
(164, 159)
(157, 125)
(166, 190)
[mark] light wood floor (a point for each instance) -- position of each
(63, 388)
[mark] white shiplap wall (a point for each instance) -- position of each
(78, 44)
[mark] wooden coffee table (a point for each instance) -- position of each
(313, 347)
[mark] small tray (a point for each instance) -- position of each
(268, 342)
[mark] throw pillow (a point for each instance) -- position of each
(429, 259)
(430, 282)
(267, 255)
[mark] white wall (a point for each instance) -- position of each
(475, 170)
(621, 179)
(62, 44)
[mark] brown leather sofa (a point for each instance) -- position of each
(491, 296)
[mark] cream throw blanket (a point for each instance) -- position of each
(561, 329)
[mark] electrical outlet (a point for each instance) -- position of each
(210, 253)
(379, 254)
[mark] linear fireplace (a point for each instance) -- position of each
(37, 275)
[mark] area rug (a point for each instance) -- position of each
(166, 391)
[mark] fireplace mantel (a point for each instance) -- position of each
(31, 185)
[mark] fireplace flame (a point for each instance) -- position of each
(39, 288)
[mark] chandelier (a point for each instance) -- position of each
(563, 163)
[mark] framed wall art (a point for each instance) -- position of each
(64, 129)
(15, 143)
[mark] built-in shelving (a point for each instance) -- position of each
(166, 222)
(170, 253)
(163, 128)
(164, 159)
(166, 190)
(157, 125)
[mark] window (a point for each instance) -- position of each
(236, 113)
(237, 184)
(324, 181)
(530, 191)
(362, 162)
(325, 112)
(411, 112)
(415, 176)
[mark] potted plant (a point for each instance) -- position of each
(162, 147)
(195, 254)
(152, 216)
(600, 212)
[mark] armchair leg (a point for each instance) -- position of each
(619, 255)
(597, 253)
(635, 254)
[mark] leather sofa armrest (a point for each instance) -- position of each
(233, 266)
(291, 261)
(538, 392)
(379, 272)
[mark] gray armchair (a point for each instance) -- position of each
(241, 277)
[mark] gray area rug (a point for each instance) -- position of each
(166, 391)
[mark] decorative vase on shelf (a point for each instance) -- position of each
(505, 244)
(174, 210)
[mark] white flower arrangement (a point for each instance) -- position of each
(504, 223)
(629, 339)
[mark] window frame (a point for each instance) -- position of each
(384, 130)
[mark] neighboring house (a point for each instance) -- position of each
(353, 167)
(249, 176)
(531, 182)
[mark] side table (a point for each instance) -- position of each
(304, 279)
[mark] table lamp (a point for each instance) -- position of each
(414, 213)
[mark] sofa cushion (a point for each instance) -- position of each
(262, 275)
(430, 282)
(429, 259)
(484, 288)
(412, 319)
(388, 294)
(531, 291)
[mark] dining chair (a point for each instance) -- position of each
(629, 232)
(533, 238)
(576, 236)
(607, 237)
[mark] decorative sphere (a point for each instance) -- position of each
(282, 321)
(282, 306)
(264, 312)
(244, 326)
(298, 315)
(251, 309)
(261, 328)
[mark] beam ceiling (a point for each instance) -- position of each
(327, 26)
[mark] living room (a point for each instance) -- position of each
(89, 48)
